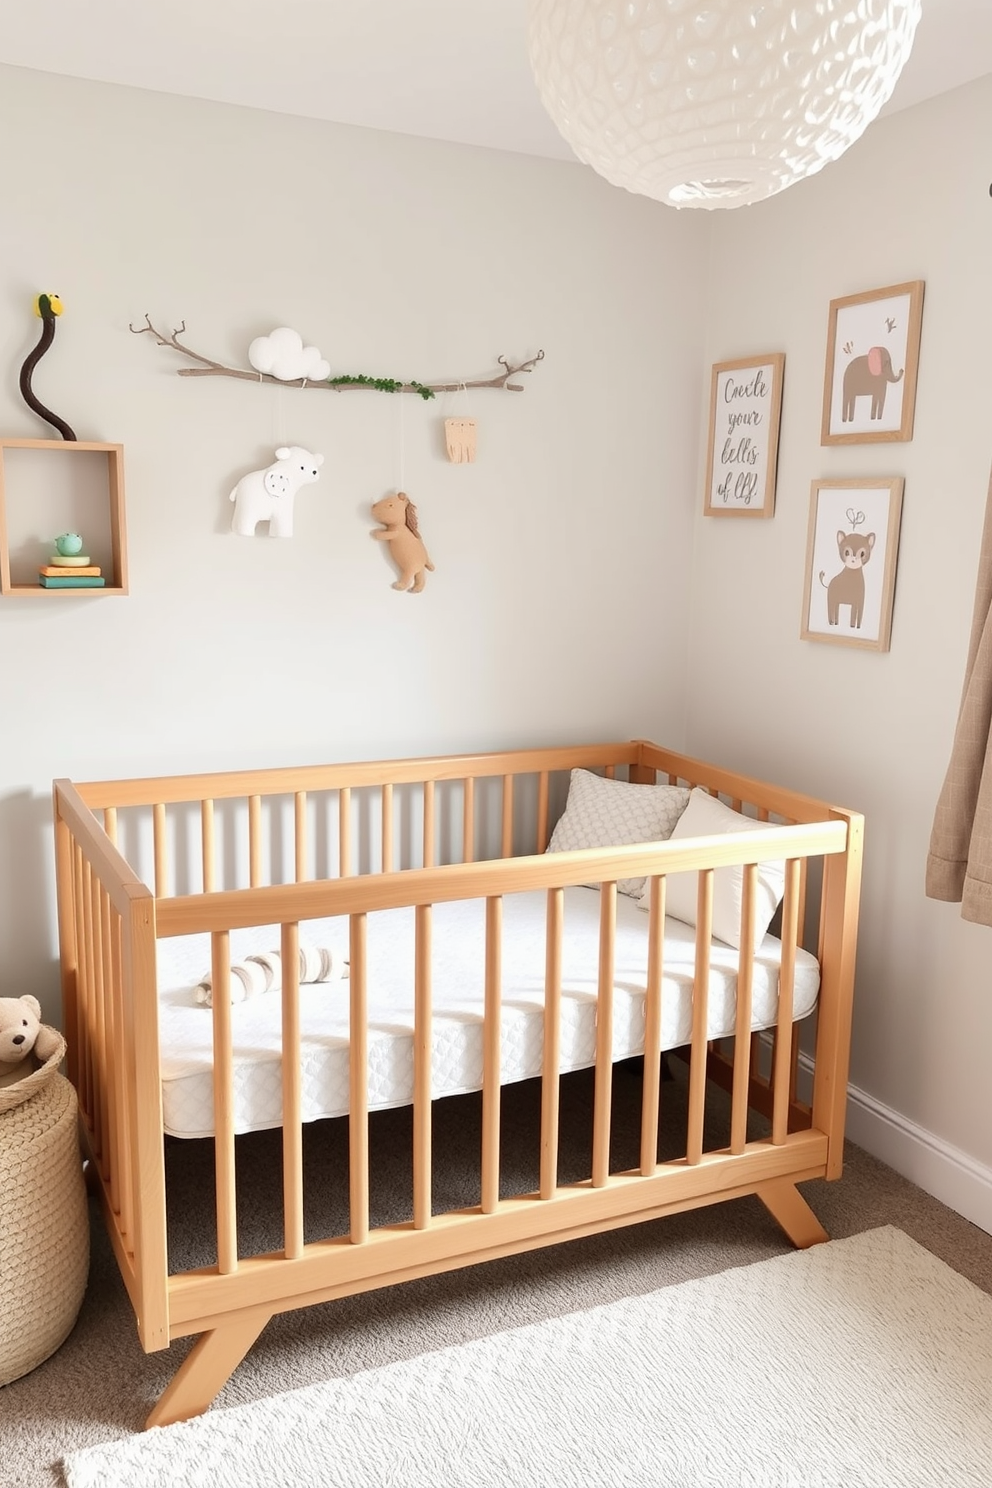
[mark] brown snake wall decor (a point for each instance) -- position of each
(47, 306)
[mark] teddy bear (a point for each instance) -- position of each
(25, 1042)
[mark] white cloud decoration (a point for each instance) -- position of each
(282, 354)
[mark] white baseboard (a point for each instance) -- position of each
(942, 1170)
(949, 1174)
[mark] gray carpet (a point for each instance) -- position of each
(99, 1386)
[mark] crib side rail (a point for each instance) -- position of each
(764, 798)
(106, 921)
(353, 775)
(226, 830)
(229, 829)
(235, 909)
(289, 905)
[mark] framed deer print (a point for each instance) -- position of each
(873, 352)
(745, 409)
(851, 552)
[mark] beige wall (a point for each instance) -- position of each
(579, 592)
(560, 555)
(910, 201)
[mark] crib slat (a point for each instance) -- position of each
(742, 1026)
(344, 831)
(782, 1072)
(79, 1051)
(490, 1055)
(110, 823)
(112, 1044)
(100, 1031)
(506, 842)
(700, 1017)
(300, 835)
(387, 828)
(550, 1072)
(161, 858)
(651, 1091)
(292, 1113)
(227, 1220)
(84, 974)
(358, 1098)
(429, 830)
(604, 1036)
(422, 1042)
(121, 1092)
(254, 841)
(207, 844)
(543, 792)
(803, 879)
(790, 821)
(68, 932)
(468, 821)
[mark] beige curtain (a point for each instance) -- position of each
(959, 865)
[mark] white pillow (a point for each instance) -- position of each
(613, 813)
(705, 816)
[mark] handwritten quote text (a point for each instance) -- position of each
(743, 418)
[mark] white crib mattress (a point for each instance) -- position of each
(458, 940)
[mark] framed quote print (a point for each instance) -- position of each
(745, 409)
(851, 549)
(873, 352)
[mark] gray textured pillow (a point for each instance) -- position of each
(612, 813)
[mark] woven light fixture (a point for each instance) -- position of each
(716, 103)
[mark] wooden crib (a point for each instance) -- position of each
(462, 828)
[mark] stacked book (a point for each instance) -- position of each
(70, 571)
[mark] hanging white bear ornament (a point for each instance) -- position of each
(281, 354)
(268, 495)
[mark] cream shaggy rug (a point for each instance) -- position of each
(863, 1363)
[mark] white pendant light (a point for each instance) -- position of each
(716, 103)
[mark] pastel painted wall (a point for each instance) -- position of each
(557, 610)
(910, 201)
(579, 592)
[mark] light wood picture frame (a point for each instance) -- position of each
(851, 551)
(742, 453)
(873, 355)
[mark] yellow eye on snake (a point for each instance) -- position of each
(51, 302)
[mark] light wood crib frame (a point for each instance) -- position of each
(109, 921)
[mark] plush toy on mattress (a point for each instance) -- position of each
(263, 973)
(25, 1042)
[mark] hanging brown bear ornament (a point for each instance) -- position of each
(399, 518)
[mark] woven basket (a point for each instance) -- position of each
(44, 1221)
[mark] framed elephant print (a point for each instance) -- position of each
(873, 351)
(851, 553)
(742, 455)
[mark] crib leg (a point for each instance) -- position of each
(206, 1370)
(786, 1204)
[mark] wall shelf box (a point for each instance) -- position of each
(48, 486)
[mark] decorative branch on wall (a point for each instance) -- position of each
(209, 368)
